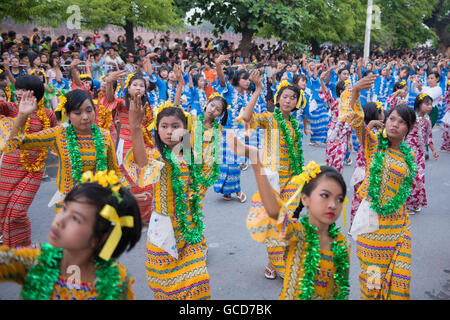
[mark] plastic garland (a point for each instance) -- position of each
(197, 154)
(42, 277)
(104, 117)
(295, 158)
(40, 161)
(375, 180)
(312, 259)
(74, 152)
(195, 234)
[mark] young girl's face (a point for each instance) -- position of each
(396, 127)
(426, 106)
(288, 100)
(73, 227)
(172, 76)
(170, 130)
(201, 82)
(432, 80)
(163, 74)
(83, 118)
(325, 202)
(302, 83)
(136, 87)
(244, 83)
(214, 109)
(381, 116)
(37, 62)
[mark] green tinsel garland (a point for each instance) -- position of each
(197, 168)
(375, 179)
(42, 277)
(192, 235)
(312, 259)
(74, 151)
(295, 158)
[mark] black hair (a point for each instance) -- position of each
(309, 187)
(406, 113)
(418, 102)
(371, 112)
(99, 196)
(75, 99)
(127, 95)
(436, 74)
(224, 113)
(167, 112)
(33, 83)
(238, 75)
(340, 87)
(398, 86)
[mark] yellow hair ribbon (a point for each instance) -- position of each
(61, 107)
(301, 100)
(109, 213)
(40, 71)
(85, 76)
(127, 81)
(344, 216)
(309, 172)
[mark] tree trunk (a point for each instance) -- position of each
(246, 42)
(315, 46)
(439, 22)
(129, 34)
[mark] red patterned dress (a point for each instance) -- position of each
(18, 186)
(446, 133)
(120, 112)
(418, 139)
(338, 133)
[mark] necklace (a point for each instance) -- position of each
(41, 279)
(375, 179)
(40, 161)
(74, 151)
(312, 259)
(192, 235)
(295, 156)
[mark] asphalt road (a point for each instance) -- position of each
(236, 262)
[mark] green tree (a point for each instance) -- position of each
(439, 21)
(154, 14)
(50, 13)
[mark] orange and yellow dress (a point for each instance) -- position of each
(292, 232)
(175, 268)
(385, 254)
(16, 263)
(56, 140)
(276, 159)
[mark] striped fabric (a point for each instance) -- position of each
(18, 187)
(319, 121)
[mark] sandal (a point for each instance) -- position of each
(314, 144)
(270, 273)
(242, 198)
(226, 197)
(244, 166)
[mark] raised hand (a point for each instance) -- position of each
(27, 104)
(137, 111)
(365, 83)
(255, 77)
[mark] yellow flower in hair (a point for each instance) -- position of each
(214, 94)
(87, 177)
(347, 82)
(379, 105)
(85, 76)
(281, 85)
(127, 81)
(112, 177)
(422, 96)
(403, 83)
(1, 71)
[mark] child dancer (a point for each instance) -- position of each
(99, 221)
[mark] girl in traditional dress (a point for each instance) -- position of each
(446, 122)
(99, 221)
(316, 252)
(237, 94)
(79, 144)
(118, 109)
(176, 250)
(283, 154)
(381, 226)
(418, 139)
(22, 170)
(399, 95)
(373, 118)
(339, 131)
